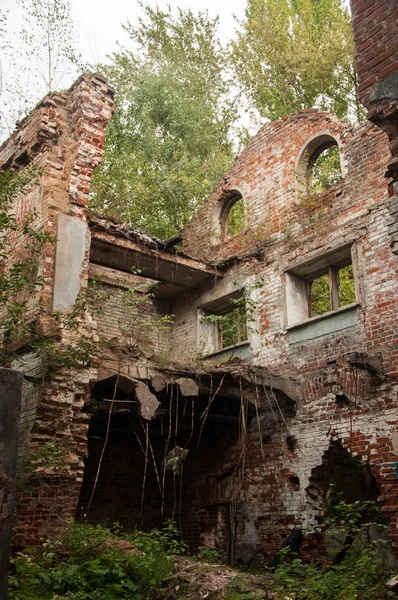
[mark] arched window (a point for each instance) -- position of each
(232, 217)
(320, 163)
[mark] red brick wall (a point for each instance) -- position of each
(64, 135)
(288, 231)
(375, 30)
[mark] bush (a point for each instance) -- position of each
(355, 579)
(92, 563)
(355, 573)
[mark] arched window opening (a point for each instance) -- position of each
(233, 217)
(321, 164)
(326, 169)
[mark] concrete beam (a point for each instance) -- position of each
(123, 254)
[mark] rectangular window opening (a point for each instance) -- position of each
(322, 286)
(223, 323)
(232, 328)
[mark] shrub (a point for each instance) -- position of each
(93, 563)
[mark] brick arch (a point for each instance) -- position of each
(315, 146)
(351, 476)
(380, 476)
(225, 201)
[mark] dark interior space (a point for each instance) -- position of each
(342, 476)
(154, 470)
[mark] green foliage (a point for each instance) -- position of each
(236, 218)
(358, 577)
(209, 556)
(297, 54)
(320, 291)
(239, 589)
(347, 286)
(237, 319)
(49, 458)
(326, 170)
(19, 276)
(92, 563)
(21, 282)
(320, 296)
(49, 43)
(168, 142)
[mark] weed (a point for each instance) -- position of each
(92, 563)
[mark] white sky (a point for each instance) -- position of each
(98, 28)
(98, 22)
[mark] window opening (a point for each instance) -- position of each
(224, 322)
(231, 217)
(232, 328)
(325, 167)
(320, 296)
(323, 285)
(332, 291)
(235, 218)
(346, 286)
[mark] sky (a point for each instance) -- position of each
(98, 28)
(98, 22)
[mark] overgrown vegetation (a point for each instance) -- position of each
(357, 578)
(320, 291)
(92, 563)
(19, 274)
(183, 94)
(354, 570)
(297, 54)
(170, 138)
(326, 170)
(237, 319)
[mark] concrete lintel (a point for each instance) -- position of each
(387, 89)
(124, 254)
(70, 251)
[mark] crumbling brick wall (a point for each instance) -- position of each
(345, 362)
(290, 231)
(376, 53)
(376, 43)
(127, 315)
(64, 136)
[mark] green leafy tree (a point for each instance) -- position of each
(12, 98)
(169, 141)
(297, 54)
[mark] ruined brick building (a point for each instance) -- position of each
(238, 441)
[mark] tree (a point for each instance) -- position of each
(297, 54)
(35, 60)
(49, 40)
(11, 93)
(170, 139)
